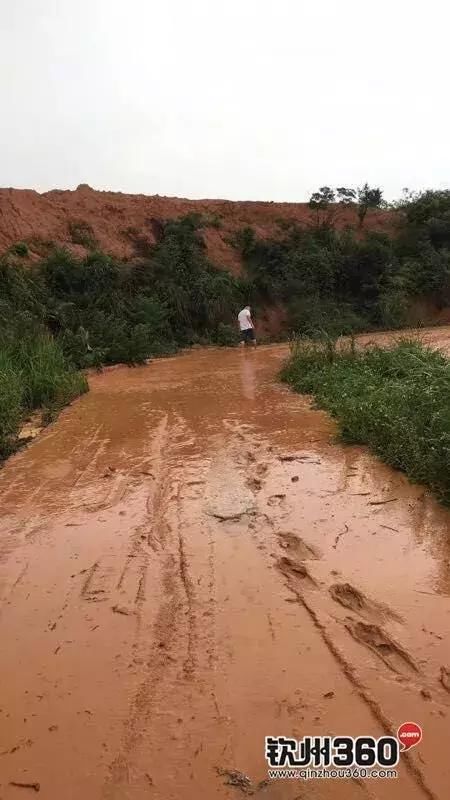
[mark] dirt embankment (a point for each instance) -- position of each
(115, 219)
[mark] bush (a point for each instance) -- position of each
(212, 221)
(225, 335)
(315, 315)
(19, 249)
(81, 232)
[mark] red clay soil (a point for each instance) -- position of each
(26, 215)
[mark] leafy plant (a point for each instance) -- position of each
(19, 249)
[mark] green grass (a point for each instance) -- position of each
(33, 374)
(397, 401)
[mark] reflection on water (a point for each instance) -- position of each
(247, 373)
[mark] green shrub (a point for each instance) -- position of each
(315, 315)
(19, 249)
(81, 232)
(225, 335)
(212, 221)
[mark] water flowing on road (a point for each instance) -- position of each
(190, 562)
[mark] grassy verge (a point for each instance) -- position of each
(397, 401)
(33, 374)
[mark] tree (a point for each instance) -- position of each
(322, 198)
(368, 198)
(345, 196)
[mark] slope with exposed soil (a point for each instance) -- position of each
(188, 563)
(115, 219)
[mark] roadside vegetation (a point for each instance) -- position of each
(64, 313)
(394, 400)
(33, 370)
(344, 281)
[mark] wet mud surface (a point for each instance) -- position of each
(188, 563)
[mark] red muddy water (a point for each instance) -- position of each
(190, 562)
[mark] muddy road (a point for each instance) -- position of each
(188, 563)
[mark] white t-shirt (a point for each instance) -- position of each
(245, 318)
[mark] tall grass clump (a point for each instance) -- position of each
(33, 374)
(47, 379)
(11, 397)
(396, 401)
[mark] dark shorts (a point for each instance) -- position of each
(248, 335)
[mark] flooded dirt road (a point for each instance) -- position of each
(188, 563)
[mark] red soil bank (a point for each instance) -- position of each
(114, 218)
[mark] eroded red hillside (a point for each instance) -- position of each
(114, 218)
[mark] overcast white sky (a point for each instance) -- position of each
(242, 99)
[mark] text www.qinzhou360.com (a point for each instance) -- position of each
(313, 774)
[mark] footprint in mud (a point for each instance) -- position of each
(445, 678)
(276, 499)
(255, 484)
(348, 596)
(261, 469)
(296, 571)
(391, 653)
(351, 597)
(297, 546)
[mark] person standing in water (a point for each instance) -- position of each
(246, 326)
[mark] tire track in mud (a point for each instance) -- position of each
(114, 494)
(123, 581)
(189, 663)
(155, 527)
(192, 580)
(175, 621)
(89, 467)
(157, 665)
